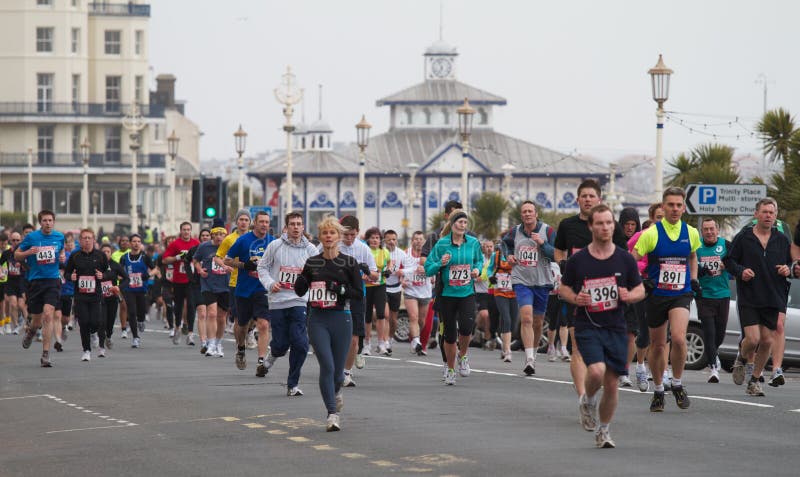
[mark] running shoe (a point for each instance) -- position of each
(261, 370)
(450, 377)
(530, 367)
(681, 398)
(366, 350)
(738, 371)
(141, 326)
(171, 332)
(109, 343)
(360, 361)
(340, 400)
(44, 361)
(641, 380)
(17, 329)
(419, 349)
(185, 329)
(28, 338)
(625, 382)
(588, 414)
(251, 342)
(432, 344)
(58, 346)
(136, 343)
(101, 353)
(124, 334)
(348, 381)
(190, 339)
(241, 360)
(565, 355)
(204, 348)
(176, 338)
(87, 355)
(507, 357)
(332, 424)
(603, 439)
(463, 366)
(39, 335)
(8, 329)
(294, 391)
(748, 372)
(657, 402)
(220, 353)
(754, 388)
(777, 378)
(714, 376)
(552, 356)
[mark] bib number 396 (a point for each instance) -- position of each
(604, 293)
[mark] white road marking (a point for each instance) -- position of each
(24, 397)
(130, 424)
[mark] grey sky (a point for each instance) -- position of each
(574, 72)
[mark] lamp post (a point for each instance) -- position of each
(288, 94)
(172, 143)
(95, 203)
(85, 192)
(134, 123)
(240, 139)
(412, 194)
(465, 115)
(362, 138)
(30, 185)
(508, 171)
(659, 76)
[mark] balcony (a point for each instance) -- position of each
(105, 160)
(53, 110)
(119, 9)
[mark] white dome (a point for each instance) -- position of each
(301, 128)
(441, 47)
(320, 125)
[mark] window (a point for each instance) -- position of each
(113, 42)
(76, 89)
(138, 85)
(138, 42)
(20, 200)
(484, 116)
(44, 144)
(446, 115)
(62, 201)
(76, 39)
(409, 116)
(113, 143)
(158, 132)
(113, 88)
(44, 3)
(44, 92)
(427, 113)
(44, 39)
(303, 143)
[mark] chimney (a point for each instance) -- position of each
(165, 90)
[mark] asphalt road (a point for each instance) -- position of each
(166, 410)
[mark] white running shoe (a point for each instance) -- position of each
(552, 355)
(220, 353)
(109, 343)
(171, 332)
(333, 424)
(190, 339)
(136, 343)
(463, 366)
(8, 328)
(603, 439)
(450, 377)
(87, 355)
(251, 340)
(294, 391)
(361, 361)
(348, 381)
(588, 414)
(270, 361)
(124, 334)
(101, 353)
(625, 382)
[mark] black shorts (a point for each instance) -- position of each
(254, 307)
(222, 299)
(66, 305)
(600, 345)
(43, 292)
(556, 312)
(24, 285)
(482, 301)
(751, 316)
(195, 296)
(712, 307)
(12, 286)
(458, 316)
(393, 299)
(658, 307)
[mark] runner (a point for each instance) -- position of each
(5, 317)
(760, 259)
(376, 293)
(529, 249)
(138, 267)
(14, 285)
(64, 308)
(87, 268)
(417, 292)
(251, 297)
(333, 281)
(123, 247)
(505, 298)
(175, 255)
(214, 287)
(457, 260)
(598, 280)
(400, 263)
(629, 220)
(41, 251)
(278, 269)
(194, 301)
(670, 247)
(111, 296)
(483, 298)
(242, 226)
(713, 306)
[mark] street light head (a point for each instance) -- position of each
(659, 76)
(362, 132)
(172, 144)
(413, 166)
(133, 121)
(465, 115)
(85, 146)
(240, 138)
(288, 93)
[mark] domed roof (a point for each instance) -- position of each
(320, 125)
(441, 47)
(301, 128)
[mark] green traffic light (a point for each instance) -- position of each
(211, 212)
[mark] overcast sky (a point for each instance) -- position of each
(574, 72)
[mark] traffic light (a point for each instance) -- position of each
(212, 195)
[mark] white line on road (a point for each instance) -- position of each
(130, 424)
(794, 410)
(24, 397)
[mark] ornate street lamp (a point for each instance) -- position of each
(412, 194)
(134, 123)
(288, 94)
(240, 139)
(362, 139)
(660, 76)
(172, 144)
(465, 116)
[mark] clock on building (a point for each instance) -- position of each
(441, 67)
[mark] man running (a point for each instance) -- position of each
(42, 250)
(14, 290)
(598, 280)
(278, 269)
(242, 226)
(670, 247)
(175, 255)
(214, 288)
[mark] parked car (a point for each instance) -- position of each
(695, 356)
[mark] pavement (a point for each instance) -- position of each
(166, 410)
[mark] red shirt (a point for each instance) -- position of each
(173, 250)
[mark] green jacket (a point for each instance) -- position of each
(456, 276)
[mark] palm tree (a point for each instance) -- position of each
(435, 221)
(487, 211)
(780, 137)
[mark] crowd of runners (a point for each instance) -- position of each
(614, 293)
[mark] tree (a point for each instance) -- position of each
(487, 211)
(782, 144)
(435, 221)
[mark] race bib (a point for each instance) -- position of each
(46, 255)
(217, 269)
(528, 256)
(181, 268)
(459, 275)
(713, 265)
(135, 280)
(105, 287)
(604, 293)
(503, 282)
(287, 276)
(13, 269)
(169, 274)
(3, 273)
(672, 276)
(86, 284)
(321, 297)
(418, 279)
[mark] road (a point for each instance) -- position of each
(166, 410)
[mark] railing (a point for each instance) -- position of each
(110, 110)
(119, 9)
(110, 159)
